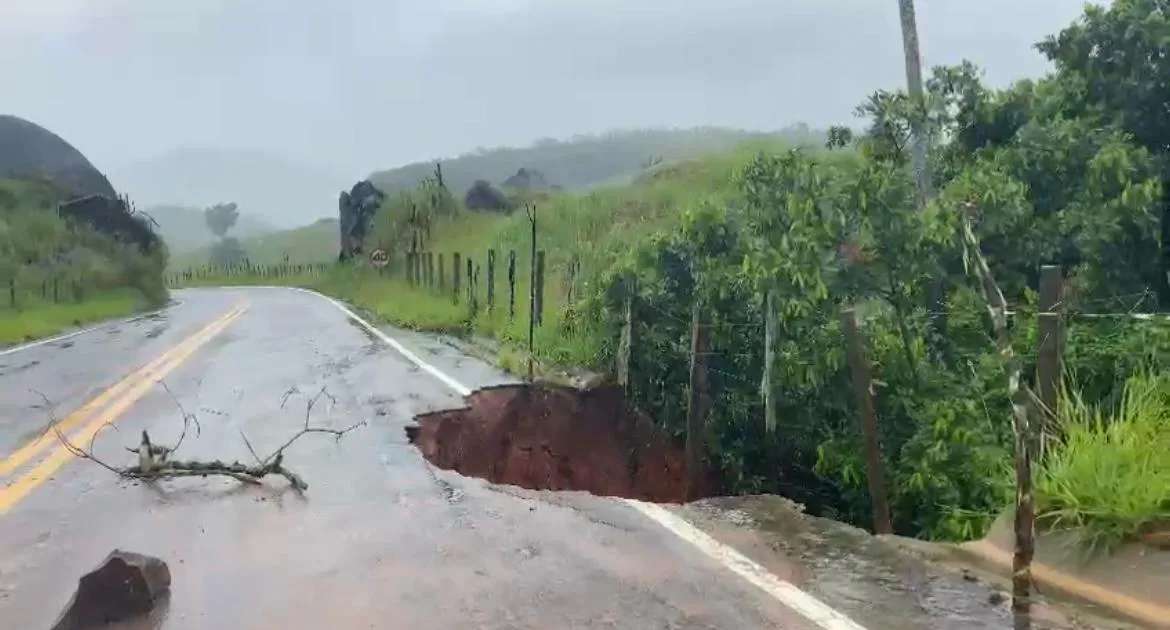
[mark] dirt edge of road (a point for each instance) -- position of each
(543, 436)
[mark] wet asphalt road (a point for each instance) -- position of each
(382, 540)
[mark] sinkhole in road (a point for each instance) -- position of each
(542, 436)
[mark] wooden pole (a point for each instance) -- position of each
(538, 278)
(766, 382)
(863, 392)
(456, 272)
(511, 284)
(491, 279)
(697, 404)
(625, 342)
(532, 303)
(1050, 347)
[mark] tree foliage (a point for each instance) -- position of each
(1066, 169)
(221, 217)
(42, 253)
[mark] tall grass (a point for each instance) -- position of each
(1107, 475)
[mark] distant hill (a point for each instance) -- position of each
(278, 191)
(585, 161)
(316, 242)
(184, 229)
(29, 151)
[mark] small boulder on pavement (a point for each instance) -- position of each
(125, 585)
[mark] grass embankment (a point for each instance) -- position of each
(1106, 475)
(45, 319)
(589, 227)
(57, 274)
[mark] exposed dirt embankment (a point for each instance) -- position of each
(549, 437)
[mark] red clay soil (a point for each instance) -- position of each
(549, 437)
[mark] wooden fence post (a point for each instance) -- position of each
(863, 391)
(511, 284)
(1050, 347)
(456, 274)
(538, 289)
(442, 274)
(491, 279)
(473, 299)
(430, 270)
(626, 341)
(470, 283)
(767, 388)
(697, 405)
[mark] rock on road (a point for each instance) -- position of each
(382, 539)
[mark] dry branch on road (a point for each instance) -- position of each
(156, 461)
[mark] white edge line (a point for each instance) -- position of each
(84, 331)
(786, 593)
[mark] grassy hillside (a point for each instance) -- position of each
(314, 243)
(55, 274)
(584, 161)
(185, 230)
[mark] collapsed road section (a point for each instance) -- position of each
(542, 436)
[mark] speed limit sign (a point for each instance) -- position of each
(379, 258)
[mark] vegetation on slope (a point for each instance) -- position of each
(56, 273)
(1067, 169)
(185, 229)
(583, 161)
(314, 243)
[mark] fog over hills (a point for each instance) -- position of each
(271, 189)
(342, 89)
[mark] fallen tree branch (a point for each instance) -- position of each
(156, 461)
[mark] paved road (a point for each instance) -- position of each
(382, 540)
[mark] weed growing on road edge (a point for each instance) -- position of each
(1107, 474)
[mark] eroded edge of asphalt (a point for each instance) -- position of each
(784, 592)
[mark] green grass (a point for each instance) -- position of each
(45, 319)
(1108, 474)
(591, 226)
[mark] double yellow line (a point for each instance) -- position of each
(102, 409)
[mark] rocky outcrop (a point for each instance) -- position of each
(527, 179)
(29, 151)
(484, 196)
(356, 210)
(113, 217)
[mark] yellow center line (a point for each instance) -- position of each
(26, 452)
(23, 485)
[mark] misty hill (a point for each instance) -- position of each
(585, 161)
(275, 190)
(184, 229)
(317, 242)
(29, 151)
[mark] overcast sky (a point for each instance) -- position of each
(354, 85)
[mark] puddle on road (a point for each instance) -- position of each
(550, 437)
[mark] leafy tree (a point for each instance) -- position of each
(221, 217)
